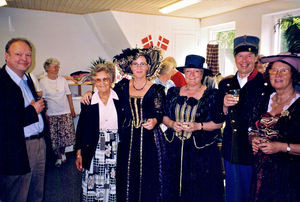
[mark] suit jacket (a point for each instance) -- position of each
(252, 101)
(87, 132)
(13, 118)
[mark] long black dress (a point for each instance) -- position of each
(139, 161)
(276, 177)
(195, 172)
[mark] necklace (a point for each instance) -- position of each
(54, 86)
(280, 103)
(139, 89)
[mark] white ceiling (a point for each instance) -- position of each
(203, 9)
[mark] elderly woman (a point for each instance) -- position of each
(139, 162)
(195, 172)
(275, 138)
(60, 109)
(97, 138)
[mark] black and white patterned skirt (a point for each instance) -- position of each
(99, 183)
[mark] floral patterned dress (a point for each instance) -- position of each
(276, 177)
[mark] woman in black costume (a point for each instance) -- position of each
(194, 172)
(139, 161)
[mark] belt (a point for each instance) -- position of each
(32, 137)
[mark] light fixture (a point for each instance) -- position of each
(178, 5)
(3, 3)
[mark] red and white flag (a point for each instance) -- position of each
(163, 43)
(147, 41)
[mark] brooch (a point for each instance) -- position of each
(285, 113)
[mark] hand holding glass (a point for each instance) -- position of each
(235, 93)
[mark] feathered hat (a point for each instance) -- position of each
(124, 60)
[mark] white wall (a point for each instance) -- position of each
(66, 37)
(107, 30)
(76, 40)
(183, 33)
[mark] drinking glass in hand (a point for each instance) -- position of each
(45, 102)
(235, 93)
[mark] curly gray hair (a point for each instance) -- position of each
(107, 67)
(51, 61)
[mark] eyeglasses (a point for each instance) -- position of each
(104, 80)
(282, 71)
(135, 64)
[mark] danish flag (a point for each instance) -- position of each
(163, 43)
(147, 41)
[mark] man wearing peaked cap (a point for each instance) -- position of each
(246, 43)
(240, 112)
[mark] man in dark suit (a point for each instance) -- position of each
(22, 128)
(241, 111)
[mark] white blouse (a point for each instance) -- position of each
(107, 113)
(286, 106)
(55, 93)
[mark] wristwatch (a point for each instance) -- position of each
(288, 148)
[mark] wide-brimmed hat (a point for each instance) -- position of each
(292, 59)
(193, 61)
(246, 43)
(124, 60)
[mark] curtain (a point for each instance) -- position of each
(212, 58)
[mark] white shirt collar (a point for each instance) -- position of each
(242, 81)
(14, 76)
(96, 98)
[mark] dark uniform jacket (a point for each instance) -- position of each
(253, 96)
(13, 118)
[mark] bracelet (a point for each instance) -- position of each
(201, 125)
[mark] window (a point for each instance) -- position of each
(278, 23)
(224, 36)
(283, 24)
